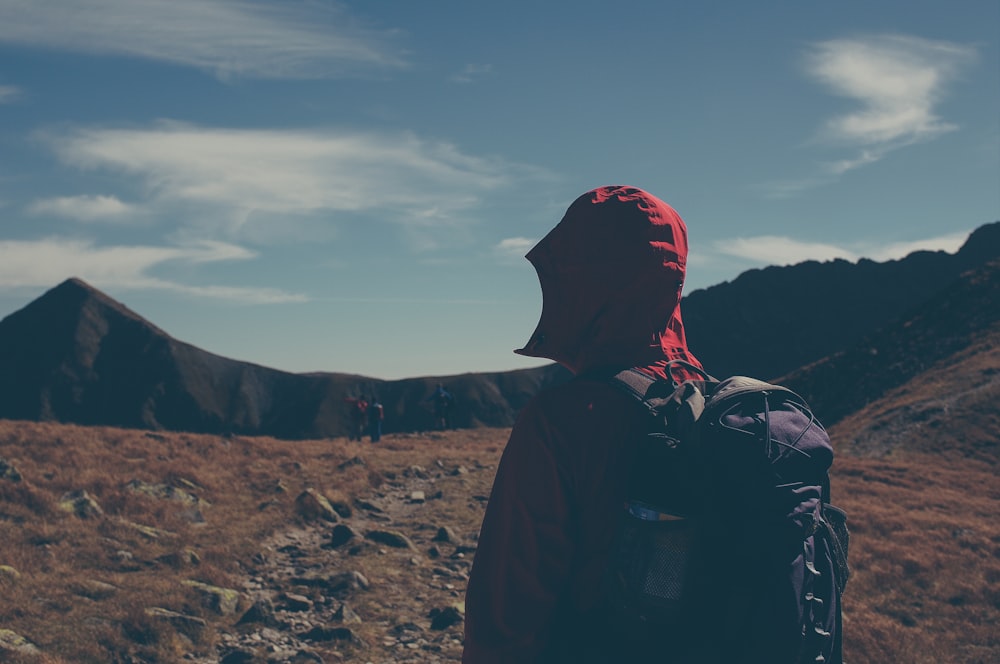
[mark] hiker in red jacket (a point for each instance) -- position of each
(611, 274)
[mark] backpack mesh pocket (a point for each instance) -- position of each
(652, 566)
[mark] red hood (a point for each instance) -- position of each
(611, 274)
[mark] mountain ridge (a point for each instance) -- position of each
(76, 355)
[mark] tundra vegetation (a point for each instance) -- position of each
(125, 545)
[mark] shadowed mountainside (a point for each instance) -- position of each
(930, 382)
(76, 355)
(772, 321)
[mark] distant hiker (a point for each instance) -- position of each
(375, 416)
(554, 576)
(358, 409)
(442, 401)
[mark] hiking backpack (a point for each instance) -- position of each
(728, 548)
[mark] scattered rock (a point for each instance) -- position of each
(223, 601)
(342, 508)
(238, 656)
(417, 497)
(311, 505)
(193, 515)
(460, 470)
(370, 507)
(180, 559)
(391, 538)
(294, 602)
(9, 575)
(8, 471)
(445, 534)
(416, 471)
(149, 532)
(341, 535)
(12, 642)
(321, 633)
(190, 626)
(261, 612)
(346, 615)
(336, 583)
(445, 618)
(80, 503)
(93, 589)
(403, 628)
(354, 461)
(167, 491)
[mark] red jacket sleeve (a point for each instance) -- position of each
(525, 551)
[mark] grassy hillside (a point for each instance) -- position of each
(228, 513)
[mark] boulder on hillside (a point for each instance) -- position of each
(190, 626)
(8, 471)
(14, 643)
(223, 601)
(80, 503)
(392, 538)
(311, 505)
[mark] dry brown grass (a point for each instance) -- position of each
(925, 548)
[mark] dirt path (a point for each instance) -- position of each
(392, 592)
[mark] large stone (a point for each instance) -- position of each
(444, 618)
(149, 532)
(341, 535)
(346, 614)
(323, 633)
(93, 589)
(445, 534)
(8, 471)
(190, 626)
(12, 642)
(9, 575)
(168, 492)
(295, 602)
(261, 612)
(223, 601)
(186, 557)
(311, 505)
(239, 656)
(342, 582)
(391, 538)
(80, 503)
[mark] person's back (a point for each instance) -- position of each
(611, 274)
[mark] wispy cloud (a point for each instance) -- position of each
(780, 250)
(514, 247)
(898, 80)
(41, 263)
(472, 72)
(232, 174)
(898, 83)
(9, 93)
(231, 38)
(85, 208)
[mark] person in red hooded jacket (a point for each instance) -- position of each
(611, 273)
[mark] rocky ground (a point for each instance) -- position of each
(381, 580)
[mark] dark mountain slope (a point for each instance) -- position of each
(769, 322)
(929, 381)
(76, 355)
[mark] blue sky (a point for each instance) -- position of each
(351, 186)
